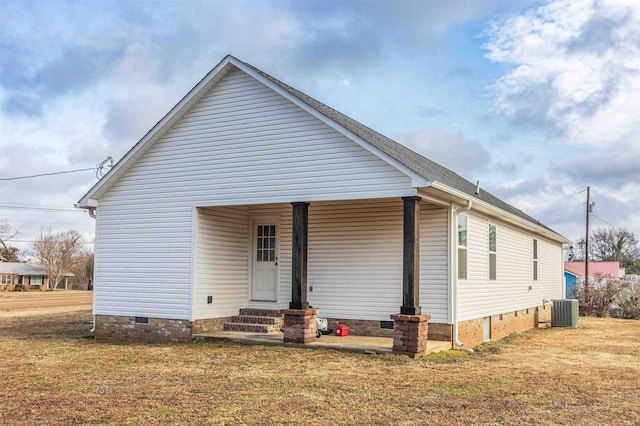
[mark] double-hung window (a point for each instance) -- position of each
(462, 247)
(535, 260)
(492, 252)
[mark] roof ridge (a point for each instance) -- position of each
(408, 157)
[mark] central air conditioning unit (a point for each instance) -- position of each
(564, 313)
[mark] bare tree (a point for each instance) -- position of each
(576, 251)
(7, 254)
(83, 270)
(617, 245)
(57, 253)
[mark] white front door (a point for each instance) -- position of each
(264, 273)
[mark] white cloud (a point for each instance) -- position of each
(575, 75)
(576, 68)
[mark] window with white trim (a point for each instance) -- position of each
(535, 259)
(6, 279)
(35, 280)
(492, 252)
(462, 246)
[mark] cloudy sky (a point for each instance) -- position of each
(537, 100)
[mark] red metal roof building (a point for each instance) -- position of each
(601, 269)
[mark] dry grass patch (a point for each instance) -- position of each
(52, 375)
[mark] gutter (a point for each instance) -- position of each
(503, 214)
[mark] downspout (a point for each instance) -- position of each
(92, 214)
(455, 287)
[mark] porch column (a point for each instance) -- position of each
(411, 257)
(299, 319)
(410, 327)
(300, 225)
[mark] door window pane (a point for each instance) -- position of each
(266, 243)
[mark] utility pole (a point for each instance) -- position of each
(586, 246)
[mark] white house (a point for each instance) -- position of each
(251, 194)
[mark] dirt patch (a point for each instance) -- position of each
(51, 374)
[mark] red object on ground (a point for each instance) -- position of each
(342, 330)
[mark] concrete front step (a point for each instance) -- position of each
(252, 327)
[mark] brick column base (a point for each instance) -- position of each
(410, 334)
(300, 325)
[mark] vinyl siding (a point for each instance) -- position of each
(434, 262)
(479, 297)
(221, 265)
(355, 259)
(143, 259)
(240, 144)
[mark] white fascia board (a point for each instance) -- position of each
(249, 201)
(157, 131)
(88, 204)
(432, 199)
(502, 214)
(417, 181)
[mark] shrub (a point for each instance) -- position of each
(600, 296)
(629, 301)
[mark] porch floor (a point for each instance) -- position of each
(351, 343)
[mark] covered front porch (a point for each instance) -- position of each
(356, 261)
(352, 343)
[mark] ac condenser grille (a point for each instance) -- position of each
(564, 313)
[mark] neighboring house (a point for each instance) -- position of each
(574, 273)
(251, 194)
(28, 275)
(571, 285)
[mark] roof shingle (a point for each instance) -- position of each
(421, 165)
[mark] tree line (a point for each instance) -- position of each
(609, 245)
(56, 252)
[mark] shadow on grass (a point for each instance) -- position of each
(67, 325)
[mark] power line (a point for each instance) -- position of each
(558, 210)
(48, 174)
(100, 169)
(33, 222)
(31, 241)
(603, 221)
(533, 203)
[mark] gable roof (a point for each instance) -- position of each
(425, 167)
(401, 157)
(603, 269)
